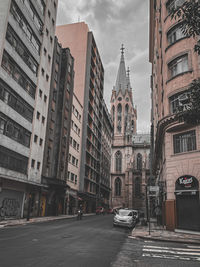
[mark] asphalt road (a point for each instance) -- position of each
(92, 242)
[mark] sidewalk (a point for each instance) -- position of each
(158, 233)
(7, 223)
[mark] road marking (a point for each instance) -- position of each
(172, 252)
(193, 247)
(174, 257)
(178, 249)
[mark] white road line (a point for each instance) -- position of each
(177, 249)
(171, 252)
(193, 247)
(174, 257)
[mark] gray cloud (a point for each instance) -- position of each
(114, 22)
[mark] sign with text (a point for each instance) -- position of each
(186, 182)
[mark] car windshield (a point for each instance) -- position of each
(125, 213)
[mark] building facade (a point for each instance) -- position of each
(26, 48)
(74, 157)
(130, 151)
(55, 164)
(88, 87)
(176, 144)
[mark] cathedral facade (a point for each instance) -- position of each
(130, 151)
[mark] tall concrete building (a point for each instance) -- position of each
(130, 151)
(88, 88)
(55, 164)
(26, 49)
(176, 144)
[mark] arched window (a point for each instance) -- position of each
(119, 118)
(113, 114)
(126, 117)
(139, 161)
(118, 186)
(137, 187)
(132, 125)
(118, 161)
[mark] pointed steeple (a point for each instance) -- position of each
(121, 82)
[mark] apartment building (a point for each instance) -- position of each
(88, 87)
(74, 159)
(55, 163)
(176, 144)
(26, 49)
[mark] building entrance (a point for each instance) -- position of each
(187, 203)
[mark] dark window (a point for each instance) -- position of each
(43, 119)
(17, 74)
(119, 118)
(139, 161)
(45, 98)
(38, 165)
(137, 187)
(13, 161)
(35, 138)
(184, 142)
(33, 163)
(38, 115)
(118, 185)
(175, 34)
(118, 161)
(41, 141)
(178, 102)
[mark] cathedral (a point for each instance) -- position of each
(130, 151)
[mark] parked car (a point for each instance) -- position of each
(136, 213)
(125, 217)
(100, 210)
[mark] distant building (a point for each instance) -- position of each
(130, 152)
(55, 165)
(26, 44)
(176, 144)
(88, 87)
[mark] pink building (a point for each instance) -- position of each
(177, 157)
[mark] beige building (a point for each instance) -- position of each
(74, 156)
(130, 151)
(176, 144)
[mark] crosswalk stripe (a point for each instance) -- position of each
(172, 257)
(178, 249)
(172, 252)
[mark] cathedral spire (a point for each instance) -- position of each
(121, 82)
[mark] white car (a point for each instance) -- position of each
(125, 217)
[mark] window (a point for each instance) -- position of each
(119, 118)
(41, 141)
(139, 161)
(184, 142)
(38, 115)
(51, 39)
(45, 51)
(42, 72)
(38, 165)
(43, 119)
(178, 65)
(47, 32)
(47, 77)
(32, 163)
(118, 185)
(175, 34)
(73, 160)
(40, 93)
(113, 114)
(177, 102)
(35, 138)
(45, 98)
(118, 161)
(72, 177)
(137, 187)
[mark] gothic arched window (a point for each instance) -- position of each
(132, 125)
(126, 116)
(113, 114)
(118, 186)
(139, 161)
(137, 187)
(119, 118)
(118, 161)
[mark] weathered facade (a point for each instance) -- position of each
(55, 165)
(130, 151)
(176, 146)
(27, 30)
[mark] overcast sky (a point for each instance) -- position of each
(114, 22)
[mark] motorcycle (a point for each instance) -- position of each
(79, 215)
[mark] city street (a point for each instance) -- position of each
(90, 242)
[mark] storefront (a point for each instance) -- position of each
(187, 203)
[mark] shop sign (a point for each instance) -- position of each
(186, 182)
